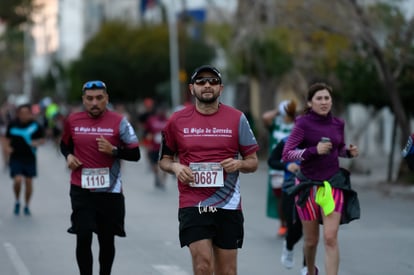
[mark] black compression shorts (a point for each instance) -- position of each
(97, 212)
(223, 227)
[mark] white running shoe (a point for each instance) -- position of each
(304, 270)
(287, 257)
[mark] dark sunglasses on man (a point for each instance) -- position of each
(210, 80)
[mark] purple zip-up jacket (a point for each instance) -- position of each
(307, 132)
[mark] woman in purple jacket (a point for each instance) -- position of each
(320, 139)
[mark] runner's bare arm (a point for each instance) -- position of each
(7, 147)
(38, 142)
(182, 172)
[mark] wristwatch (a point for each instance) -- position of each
(115, 151)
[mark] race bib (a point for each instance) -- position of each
(158, 138)
(277, 178)
(93, 178)
(207, 174)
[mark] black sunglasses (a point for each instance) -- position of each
(95, 84)
(204, 80)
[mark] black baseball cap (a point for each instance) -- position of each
(205, 68)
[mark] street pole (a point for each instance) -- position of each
(27, 75)
(174, 64)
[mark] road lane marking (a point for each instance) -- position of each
(169, 270)
(16, 260)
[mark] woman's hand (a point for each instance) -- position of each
(353, 150)
(324, 147)
(293, 167)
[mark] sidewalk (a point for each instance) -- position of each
(373, 175)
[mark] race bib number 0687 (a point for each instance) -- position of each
(207, 174)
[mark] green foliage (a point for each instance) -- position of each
(11, 61)
(262, 57)
(269, 58)
(359, 74)
(386, 15)
(221, 34)
(13, 51)
(134, 62)
(360, 83)
(195, 53)
(16, 12)
(406, 87)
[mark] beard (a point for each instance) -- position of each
(95, 112)
(207, 100)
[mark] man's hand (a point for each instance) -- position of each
(183, 173)
(104, 145)
(231, 165)
(73, 162)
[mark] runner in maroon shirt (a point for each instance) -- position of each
(153, 128)
(201, 146)
(93, 143)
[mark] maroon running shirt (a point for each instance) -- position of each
(83, 131)
(196, 137)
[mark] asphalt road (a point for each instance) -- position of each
(381, 242)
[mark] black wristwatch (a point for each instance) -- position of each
(115, 151)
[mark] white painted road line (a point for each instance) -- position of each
(16, 260)
(169, 270)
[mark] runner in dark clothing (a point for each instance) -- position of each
(23, 135)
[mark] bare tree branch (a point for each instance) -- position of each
(405, 49)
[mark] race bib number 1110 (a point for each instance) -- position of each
(93, 178)
(207, 174)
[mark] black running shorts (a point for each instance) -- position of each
(223, 227)
(153, 156)
(23, 168)
(97, 212)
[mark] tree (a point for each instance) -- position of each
(262, 45)
(16, 12)
(392, 57)
(13, 14)
(360, 82)
(378, 32)
(11, 62)
(133, 61)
